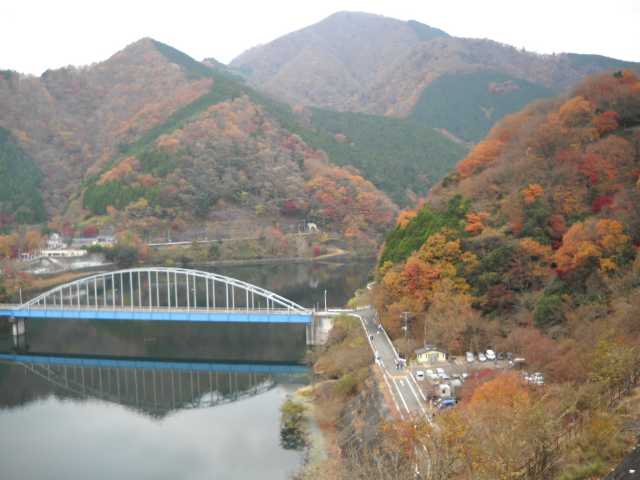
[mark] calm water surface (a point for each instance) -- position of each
(202, 402)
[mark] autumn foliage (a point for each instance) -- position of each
(545, 266)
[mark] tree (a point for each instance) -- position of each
(124, 256)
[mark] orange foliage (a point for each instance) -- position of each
(124, 168)
(348, 201)
(532, 193)
(168, 142)
(506, 390)
(577, 111)
(405, 216)
(483, 155)
(594, 240)
(475, 222)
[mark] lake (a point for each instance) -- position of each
(150, 400)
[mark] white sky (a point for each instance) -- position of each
(40, 34)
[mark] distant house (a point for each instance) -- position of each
(102, 240)
(55, 242)
(431, 354)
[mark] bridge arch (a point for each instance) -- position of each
(160, 288)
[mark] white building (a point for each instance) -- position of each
(55, 242)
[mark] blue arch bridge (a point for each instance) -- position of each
(161, 294)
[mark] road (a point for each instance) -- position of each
(407, 395)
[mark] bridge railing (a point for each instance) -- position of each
(158, 288)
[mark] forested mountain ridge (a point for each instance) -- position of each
(71, 121)
(153, 140)
(332, 61)
(367, 63)
(531, 246)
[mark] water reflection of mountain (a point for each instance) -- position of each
(155, 387)
(305, 283)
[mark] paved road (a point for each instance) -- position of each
(406, 394)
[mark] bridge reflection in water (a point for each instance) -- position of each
(153, 386)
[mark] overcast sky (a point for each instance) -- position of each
(36, 35)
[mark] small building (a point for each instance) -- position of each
(55, 242)
(101, 240)
(430, 354)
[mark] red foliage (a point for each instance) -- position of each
(90, 231)
(558, 225)
(606, 122)
(600, 202)
(290, 208)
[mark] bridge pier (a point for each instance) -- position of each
(311, 331)
(19, 332)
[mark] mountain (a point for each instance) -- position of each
(366, 63)
(329, 63)
(152, 140)
(71, 121)
(531, 246)
(20, 183)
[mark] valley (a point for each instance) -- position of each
(459, 215)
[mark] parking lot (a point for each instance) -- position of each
(432, 376)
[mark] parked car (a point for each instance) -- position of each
(446, 403)
(470, 357)
(442, 374)
(456, 382)
(537, 378)
(491, 355)
(431, 375)
(481, 357)
(419, 375)
(501, 356)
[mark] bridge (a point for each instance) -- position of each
(161, 294)
(170, 294)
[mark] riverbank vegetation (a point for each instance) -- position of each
(293, 425)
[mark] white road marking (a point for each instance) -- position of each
(418, 385)
(424, 411)
(393, 397)
(404, 402)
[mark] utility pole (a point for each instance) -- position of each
(406, 323)
(424, 336)
(325, 299)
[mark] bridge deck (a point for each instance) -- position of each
(159, 314)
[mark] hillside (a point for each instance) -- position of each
(401, 157)
(72, 120)
(332, 61)
(479, 99)
(365, 63)
(531, 246)
(20, 182)
(132, 128)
